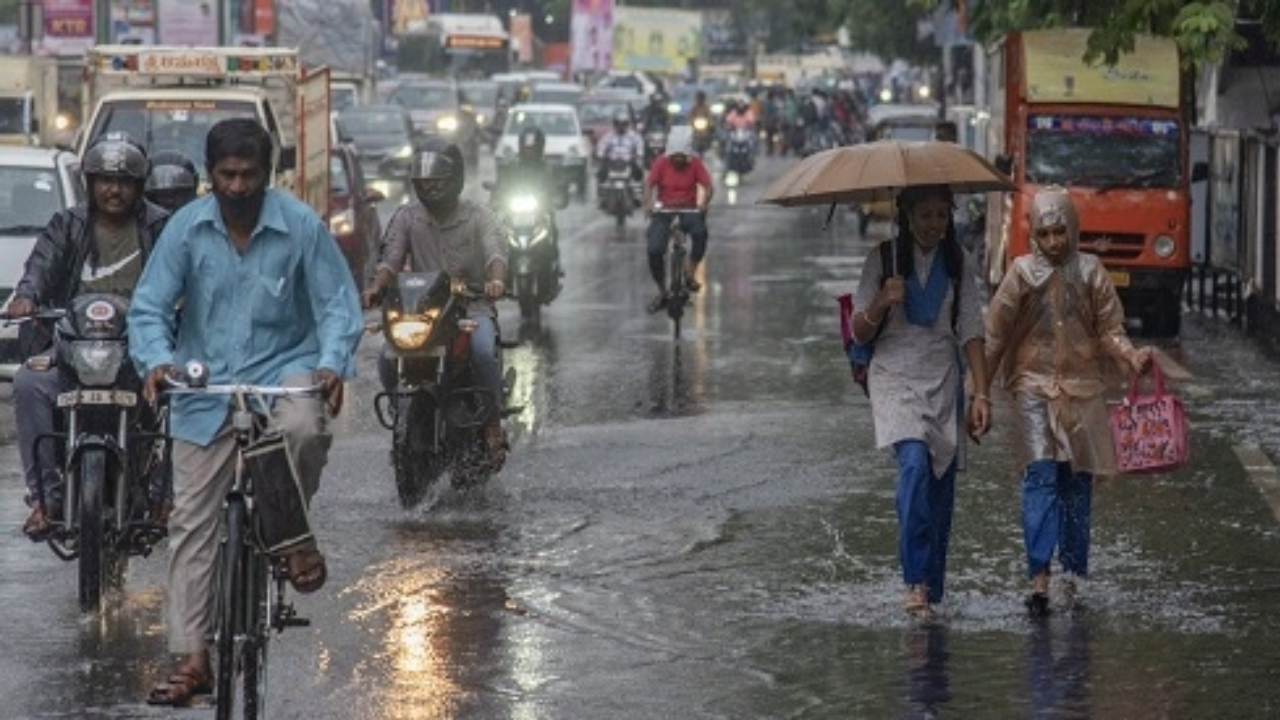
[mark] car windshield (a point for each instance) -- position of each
(373, 123)
(555, 95)
(423, 97)
(600, 113)
(1103, 152)
(482, 95)
(551, 122)
(28, 198)
(904, 132)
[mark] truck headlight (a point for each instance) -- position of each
(1164, 247)
(447, 124)
(344, 223)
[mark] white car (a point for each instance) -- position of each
(567, 149)
(35, 183)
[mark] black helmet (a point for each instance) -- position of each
(172, 181)
(621, 121)
(531, 143)
(438, 160)
(116, 154)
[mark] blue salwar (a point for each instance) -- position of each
(1056, 513)
(925, 507)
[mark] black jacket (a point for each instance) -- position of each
(54, 267)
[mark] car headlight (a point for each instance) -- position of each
(480, 119)
(404, 152)
(344, 223)
(97, 362)
(1164, 246)
(62, 121)
(447, 124)
(410, 332)
(699, 123)
(522, 204)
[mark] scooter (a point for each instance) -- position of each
(618, 195)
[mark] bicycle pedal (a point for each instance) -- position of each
(295, 621)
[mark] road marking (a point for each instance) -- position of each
(1262, 473)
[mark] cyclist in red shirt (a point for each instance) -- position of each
(679, 181)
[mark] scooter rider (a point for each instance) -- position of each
(678, 181)
(443, 231)
(172, 181)
(98, 246)
(530, 173)
(620, 143)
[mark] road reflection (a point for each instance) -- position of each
(926, 682)
(1058, 669)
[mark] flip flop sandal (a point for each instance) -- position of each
(180, 689)
(307, 570)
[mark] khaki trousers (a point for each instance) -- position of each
(202, 477)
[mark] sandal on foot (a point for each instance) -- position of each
(180, 689)
(307, 569)
(916, 601)
(39, 524)
(1037, 604)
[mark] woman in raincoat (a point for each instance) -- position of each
(1051, 325)
(923, 315)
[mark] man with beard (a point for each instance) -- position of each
(267, 300)
(443, 231)
(100, 246)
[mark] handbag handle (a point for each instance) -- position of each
(1157, 375)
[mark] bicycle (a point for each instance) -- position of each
(677, 258)
(250, 585)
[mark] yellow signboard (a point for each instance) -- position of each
(655, 39)
(1056, 71)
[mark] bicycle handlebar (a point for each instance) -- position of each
(194, 380)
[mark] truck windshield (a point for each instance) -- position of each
(169, 124)
(1104, 152)
(12, 115)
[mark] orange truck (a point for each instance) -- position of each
(1117, 137)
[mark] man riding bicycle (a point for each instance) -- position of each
(678, 181)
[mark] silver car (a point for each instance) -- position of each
(35, 183)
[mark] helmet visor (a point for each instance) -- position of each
(433, 166)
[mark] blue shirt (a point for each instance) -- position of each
(286, 306)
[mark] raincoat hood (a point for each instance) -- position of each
(1051, 207)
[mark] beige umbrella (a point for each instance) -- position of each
(877, 170)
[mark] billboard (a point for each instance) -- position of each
(591, 35)
(1055, 71)
(659, 40)
(68, 27)
(188, 22)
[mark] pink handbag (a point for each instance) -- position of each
(1150, 432)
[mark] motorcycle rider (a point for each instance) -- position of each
(444, 231)
(172, 181)
(98, 246)
(678, 181)
(739, 117)
(620, 143)
(655, 117)
(702, 120)
(530, 173)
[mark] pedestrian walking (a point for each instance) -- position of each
(1051, 325)
(920, 311)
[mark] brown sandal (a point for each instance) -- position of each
(40, 523)
(307, 568)
(183, 685)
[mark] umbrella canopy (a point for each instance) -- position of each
(877, 170)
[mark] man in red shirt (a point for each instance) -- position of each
(680, 182)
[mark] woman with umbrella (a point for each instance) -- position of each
(921, 306)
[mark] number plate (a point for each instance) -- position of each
(124, 398)
(1119, 278)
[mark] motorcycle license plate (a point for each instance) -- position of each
(123, 398)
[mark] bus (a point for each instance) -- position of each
(1117, 137)
(458, 45)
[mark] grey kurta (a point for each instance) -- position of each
(916, 377)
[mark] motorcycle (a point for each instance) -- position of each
(533, 270)
(113, 454)
(703, 132)
(618, 195)
(739, 154)
(438, 409)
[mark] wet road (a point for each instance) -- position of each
(702, 529)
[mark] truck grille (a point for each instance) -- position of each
(1112, 246)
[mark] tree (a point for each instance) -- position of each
(1206, 30)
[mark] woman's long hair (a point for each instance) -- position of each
(905, 242)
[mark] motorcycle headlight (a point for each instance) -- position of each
(97, 362)
(717, 108)
(522, 204)
(409, 332)
(447, 124)
(700, 123)
(344, 223)
(673, 108)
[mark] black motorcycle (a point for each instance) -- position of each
(438, 410)
(113, 452)
(533, 263)
(703, 134)
(619, 196)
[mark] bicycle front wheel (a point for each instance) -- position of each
(239, 640)
(677, 293)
